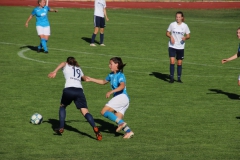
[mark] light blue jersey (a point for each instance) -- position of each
(115, 80)
(41, 16)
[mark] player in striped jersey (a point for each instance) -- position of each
(73, 91)
(42, 23)
(178, 32)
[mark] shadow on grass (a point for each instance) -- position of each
(230, 95)
(33, 48)
(107, 127)
(88, 40)
(164, 77)
(55, 124)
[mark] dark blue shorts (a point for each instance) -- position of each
(178, 53)
(99, 22)
(74, 94)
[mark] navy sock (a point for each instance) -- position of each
(93, 38)
(171, 71)
(90, 119)
(62, 116)
(179, 71)
(101, 38)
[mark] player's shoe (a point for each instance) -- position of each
(98, 134)
(59, 130)
(171, 81)
(46, 52)
(38, 50)
(128, 135)
(93, 45)
(121, 126)
(102, 44)
(179, 81)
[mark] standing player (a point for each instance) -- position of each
(178, 32)
(235, 55)
(99, 21)
(42, 23)
(120, 101)
(73, 92)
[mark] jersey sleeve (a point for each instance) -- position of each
(108, 78)
(122, 79)
(48, 8)
(187, 30)
(33, 12)
(169, 28)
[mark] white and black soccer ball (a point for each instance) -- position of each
(36, 118)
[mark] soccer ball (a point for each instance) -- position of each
(36, 118)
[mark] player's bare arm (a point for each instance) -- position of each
(119, 88)
(168, 34)
(54, 73)
(231, 58)
(29, 18)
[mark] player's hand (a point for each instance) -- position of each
(26, 25)
(108, 94)
(107, 19)
(224, 61)
(52, 75)
(172, 40)
(87, 79)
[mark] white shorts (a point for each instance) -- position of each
(119, 103)
(43, 30)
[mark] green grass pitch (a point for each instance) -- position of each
(199, 119)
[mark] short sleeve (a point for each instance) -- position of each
(108, 78)
(122, 79)
(187, 30)
(33, 12)
(169, 28)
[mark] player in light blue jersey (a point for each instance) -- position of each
(117, 106)
(235, 56)
(42, 23)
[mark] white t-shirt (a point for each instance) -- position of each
(98, 7)
(72, 76)
(178, 31)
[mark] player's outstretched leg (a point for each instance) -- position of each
(62, 116)
(90, 120)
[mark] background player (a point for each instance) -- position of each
(42, 23)
(235, 55)
(99, 21)
(178, 32)
(120, 101)
(73, 92)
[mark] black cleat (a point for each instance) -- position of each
(46, 52)
(179, 81)
(171, 81)
(38, 50)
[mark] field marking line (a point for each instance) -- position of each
(21, 54)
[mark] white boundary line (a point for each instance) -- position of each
(21, 54)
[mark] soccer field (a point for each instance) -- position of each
(198, 119)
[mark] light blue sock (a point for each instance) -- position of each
(40, 45)
(112, 117)
(44, 44)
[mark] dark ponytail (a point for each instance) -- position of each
(118, 60)
(72, 61)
